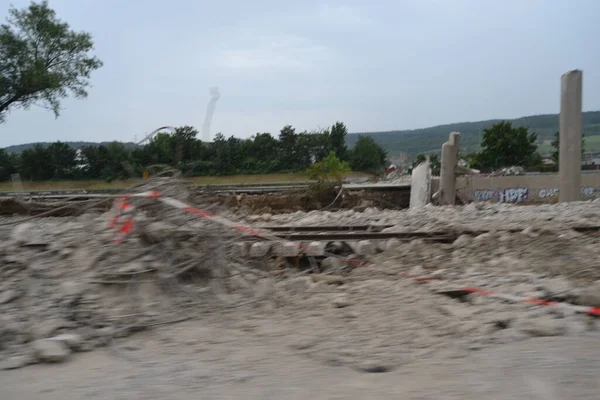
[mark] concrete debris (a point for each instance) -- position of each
(365, 248)
(590, 296)
(81, 290)
(51, 351)
(329, 279)
(15, 362)
(341, 301)
(240, 249)
(9, 295)
(332, 263)
(25, 233)
(462, 241)
(259, 249)
(391, 244)
(287, 249)
(266, 217)
(542, 326)
(315, 249)
(71, 340)
(296, 286)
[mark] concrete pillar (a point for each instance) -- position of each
(570, 136)
(449, 163)
(420, 185)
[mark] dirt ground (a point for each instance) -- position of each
(208, 361)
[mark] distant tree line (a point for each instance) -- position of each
(260, 154)
(503, 145)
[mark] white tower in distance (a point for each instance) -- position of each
(210, 110)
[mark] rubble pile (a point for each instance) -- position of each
(376, 319)
(474, 216)
(69, 284)
(66, 286)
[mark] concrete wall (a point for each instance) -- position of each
(542, 188)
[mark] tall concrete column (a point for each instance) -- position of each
(570, 136)
(449, 163)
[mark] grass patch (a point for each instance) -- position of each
(99, 184)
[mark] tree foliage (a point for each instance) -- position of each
(42, 60)
(260, 154)
(329, 170)
(554, 156)
(367, 156)
(337, 138)
(504, 145)
(434, 162)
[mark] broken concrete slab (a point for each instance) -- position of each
(240, 249)
(71, 340)
(51, 351)
(590, 296)
(315, 249)
(287, 249)
(365, 248)
(259, 249)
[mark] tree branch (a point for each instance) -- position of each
(7, 103)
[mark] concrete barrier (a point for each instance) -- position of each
(534, 188)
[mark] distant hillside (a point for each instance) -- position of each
(20, 147)
(430, 139)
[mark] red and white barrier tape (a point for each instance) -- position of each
(594, 311)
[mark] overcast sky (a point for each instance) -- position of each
(375, 65)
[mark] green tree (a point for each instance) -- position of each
(36, 164)
(367, 156)
(287, 149)
(7, 165)
(95, 160)
(505, 146)
(62, 159)
(262, 154)
(329, 170)
(42, 60)
(117, 157)
(419, 159)
(184, 144)
(434, 162)
(337, 139)
(554, 156)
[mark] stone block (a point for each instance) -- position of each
(287, 249)
(392, 244)
(240, 249)
(365, 247)
(51, 351)
(315, 249)
(259, 249)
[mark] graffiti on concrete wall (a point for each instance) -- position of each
(513, 195)
(588, 191)
(483, 195)
(548, 193)
(509, 195)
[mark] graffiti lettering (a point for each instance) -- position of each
(483, 195)
(515, 195)
(588, 191)
(546, 193)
